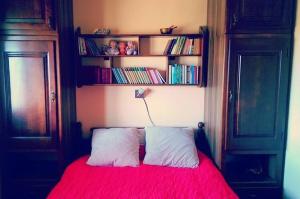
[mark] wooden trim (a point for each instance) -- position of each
(204, 53)
(28, 32)
(139, 55)
(64, 10)
(139, 35)
(215, 78)
(141, 85)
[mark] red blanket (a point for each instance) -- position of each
(149, 182)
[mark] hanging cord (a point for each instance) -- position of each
(148, 112)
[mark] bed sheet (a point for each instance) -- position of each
(150, 182)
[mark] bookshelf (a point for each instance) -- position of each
(182, 59)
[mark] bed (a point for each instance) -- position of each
(146, 181)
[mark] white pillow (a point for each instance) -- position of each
(115, 147)
(167, 146)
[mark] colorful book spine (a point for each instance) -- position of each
(153, 76)
(116, 77)
(123, 77)
(161, 79)
(170, 74)
(167, 46)
(173, 42)
(149, 75)
(173, 52)
(127, 75)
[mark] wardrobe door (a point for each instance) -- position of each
(28, 73)
(260, 15)
(26, 15)
(30, 94)
(258, 92)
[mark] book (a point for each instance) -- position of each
(156, 73)
(185, 48)
(121, 81)
(136, 75)
(162, 80)
(134, 78)
(153, 76)
(128, 77)
(122, 75)
(173, 72)
(146, 75)
(170, 74)
(191, 49)
(173, 42)
(139, 75)
(197, 46)
(142, 74)
(173, 52)
(81, 46)
(180, 51)
(116, 78)
(167, 47)
(188, 74)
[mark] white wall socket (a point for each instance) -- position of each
(139, 93)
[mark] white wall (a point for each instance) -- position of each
(292, 164)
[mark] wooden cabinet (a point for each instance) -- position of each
(37, 104)
(27, 15)
(247, 103)
(250, 193)
(260, 15)
(28, 71)
(258, 92)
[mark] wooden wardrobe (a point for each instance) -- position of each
(37, 93)
(248, 91)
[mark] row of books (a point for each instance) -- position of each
(88, 47)
(137, 75)
(124, 75)
(183, 46)
(184, 74)
(95, 75)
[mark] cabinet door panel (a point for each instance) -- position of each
(257, 81)
(29, 14)
(30, 92)
(258, 84)
(27, 95)
(260, 15)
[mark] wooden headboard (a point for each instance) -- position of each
(82, 145)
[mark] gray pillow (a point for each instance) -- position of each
(115, 147)
(167, 146)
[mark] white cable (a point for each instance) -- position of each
(148, 112)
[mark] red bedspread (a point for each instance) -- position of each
(149, 182)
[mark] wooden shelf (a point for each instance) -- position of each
(89, 56)
(115, 84)
(198, 35)
(143, 41)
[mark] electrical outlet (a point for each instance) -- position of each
(139, 93)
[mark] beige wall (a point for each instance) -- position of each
(292, 164)
(116, 106)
